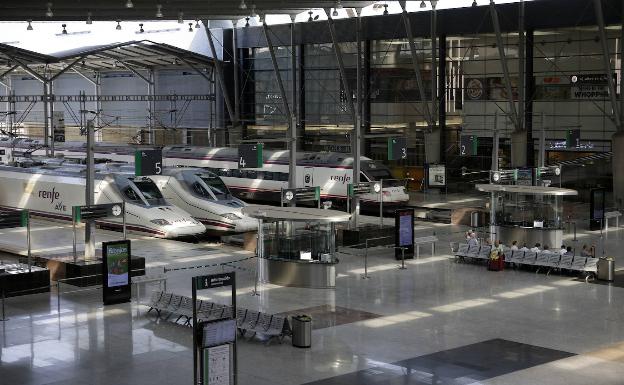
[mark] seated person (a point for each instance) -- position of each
(563, 250)
(586, 252)
(536, 248)
(546, 249)
(514, 245)
(524, 248)
(473, 241)
(569, 251)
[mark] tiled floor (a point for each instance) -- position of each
(438, 322)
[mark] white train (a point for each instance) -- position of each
(331, 171)
(203, 195)
(52, 191)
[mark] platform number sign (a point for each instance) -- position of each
(397, 148)
(573, 138)
(148, 162)
(468, 145)
(250, 156)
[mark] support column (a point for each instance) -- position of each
(529, 94)
(46, 131)
(235, 63)
(51, 115)
(617, 141)
(301, 111)
(442, 97)
(366, 98)
(151, 106)
(89, 187)
(292, 146)
(98, 106)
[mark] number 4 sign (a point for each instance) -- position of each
(250, 156)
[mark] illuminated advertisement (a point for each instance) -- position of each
(116, 257)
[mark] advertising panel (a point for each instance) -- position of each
(404, 233)
(116, 257)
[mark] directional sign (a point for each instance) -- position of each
(468, 145)
(573, 138)
(213, 280)
(148, 162)
(363, 188)
(9, 219)
(397, 148)
(304, 194)
(250, 156)
(106, 210)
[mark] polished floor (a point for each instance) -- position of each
(437, 322)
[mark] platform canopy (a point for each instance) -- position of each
(71, 10)
(132, 56)
(295, 214)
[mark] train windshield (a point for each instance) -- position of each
(216, 186)
(145, 190)
(374, 171)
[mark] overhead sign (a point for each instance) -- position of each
(468, 146)
(573, 138)
(590, 86)
(436, 175)
(148, 162)
(250, 155)
(397, 148)
(105, 210)
(116, 257)
(9, 219)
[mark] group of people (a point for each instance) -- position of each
(586, 251)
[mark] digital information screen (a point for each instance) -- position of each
(404, 233)
(116, 269)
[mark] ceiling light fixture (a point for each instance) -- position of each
(89, 21)
(49, 12)
(385, 12)
(118, 27)
(243, 5)
(29, 28)
(64, 32)
(141, 30)
(180, 17)
(129, 4)
(197, 26)
(434, 3)
(247, 23)
(474, 3)
(310, 18)
(159, 13)
(190, 27)
(335, 13)
(422, 4)
(253, 10)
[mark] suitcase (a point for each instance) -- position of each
(496, 264)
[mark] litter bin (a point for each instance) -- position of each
(474, 219)
(301, 331)
(606, 269)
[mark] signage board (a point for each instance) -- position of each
(106, 210)
(215, 333)
(524, 177)
(116, 281)
(58, 126)
(9, 219)
(404, 233)
(436, 175)
(469, 145)
(214, 280)
(596, 208)
(250, 156)
(148, 162)
(397, 148)
(590, 86)
(217, 367)
(573, 138)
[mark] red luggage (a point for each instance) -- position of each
(497, 264)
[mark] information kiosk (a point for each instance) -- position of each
(527, 214)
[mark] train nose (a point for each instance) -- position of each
(246, 224)
(179, 230)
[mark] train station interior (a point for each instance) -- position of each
(298, 192)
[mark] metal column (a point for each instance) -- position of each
(606, 61)
(495, 143)
(292, 165)
(442, 68)
(89, 189)
(529, 93)
(501, 54)
(356, 142)
(236, 72)
(521, 67)
(434, 62)
(151, 106)
(220, 75)
(98, 104)
(46, 131)
(51, 115)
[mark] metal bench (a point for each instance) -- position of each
(424, 240)
(610, 215)
(484, 252)
(530, 257)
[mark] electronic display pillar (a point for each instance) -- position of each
(116, 283)
(404, 233)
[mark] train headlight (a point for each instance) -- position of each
(496, 177)
(161, 222)
(230, 216)
(557, 171)
(377, 187)
(289, 195)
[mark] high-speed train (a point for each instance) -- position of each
(202, 194)
(51, 191)
(331, 171)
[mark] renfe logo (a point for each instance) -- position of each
(51, 195)
(341, 178)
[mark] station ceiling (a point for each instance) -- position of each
(76, 10)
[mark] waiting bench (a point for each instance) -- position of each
(247, 321)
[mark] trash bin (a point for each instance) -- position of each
(606, 269)
(302, 331)
(474, 219)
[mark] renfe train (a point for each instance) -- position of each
(331, 171)
(203, 195)
(52, 191)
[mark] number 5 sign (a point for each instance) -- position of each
(148, 162)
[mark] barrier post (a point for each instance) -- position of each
(3, 319)
(58, 296)
(28, 242)
(74, 231)
(402, 259)
(365, 276)
(125, 233)
(381, 203)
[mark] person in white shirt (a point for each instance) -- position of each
(473, 241)
(514, 245)
(524, 248)
(536, 248)
(563, 250)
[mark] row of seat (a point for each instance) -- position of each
(247, 321)
(545, 258)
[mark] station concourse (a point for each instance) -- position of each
(328, 192)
